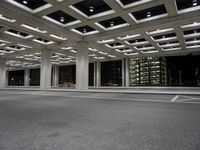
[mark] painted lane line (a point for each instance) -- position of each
(185, 100)
(190, 97)
(175, 98)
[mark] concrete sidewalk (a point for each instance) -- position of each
(123, 90)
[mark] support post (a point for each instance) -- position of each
(123, 72)
(45, 71)
(82, 65)
(26, 77)
(55, 76)
(127, 72)
(2, 73)
(98, 73)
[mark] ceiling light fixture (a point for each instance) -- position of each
(194, 2)
(112, 23)
(148, 14)
(62, 19)
(84, 30)
(91, 9)
(25, 2)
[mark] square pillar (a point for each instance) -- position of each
(98, 74)
(127, 78)
(123, 73)
(45, 69)
(55, 76)
(2, 73)
(26, 77)
(82, 65)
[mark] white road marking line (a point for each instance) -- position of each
(175, 98)
(190, 97)
(185, 100)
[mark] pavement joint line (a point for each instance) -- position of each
(175, 98)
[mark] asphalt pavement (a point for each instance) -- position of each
(39, 120)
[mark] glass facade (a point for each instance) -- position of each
(34, 77)
(16, 78)
(111, 73)
(184, 71)
(91, 74)
(67, 76)
(151, 71)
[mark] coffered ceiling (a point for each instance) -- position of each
(114, 28)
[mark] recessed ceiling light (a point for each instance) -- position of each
(91, 8)
(25, 2)
(62, 19)
(84, 30)
(148, 14)
(194, 2)
(112, 23)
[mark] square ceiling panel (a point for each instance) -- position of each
(187, 5)
(115, 45)
(149, 14)
(92, 8)
(33, 6)
(19, 34)
(43, 41)
(144, 47)
(124, 50)
(166, 37)
(168, 44)
(137, 41)
(191, 33)
(85, 30)
(131, 3)
(196, 45)
(61, 18)
(192, 40)
(112, 23)
(15, 48)
(171, 48)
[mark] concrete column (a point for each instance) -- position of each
(98, 73)
(55, 75)
(127, 72)
(6, 78)
(2, 73)
(94, 74)
(26, 77)
(123, 73)
(82, 65)
(45, 69)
